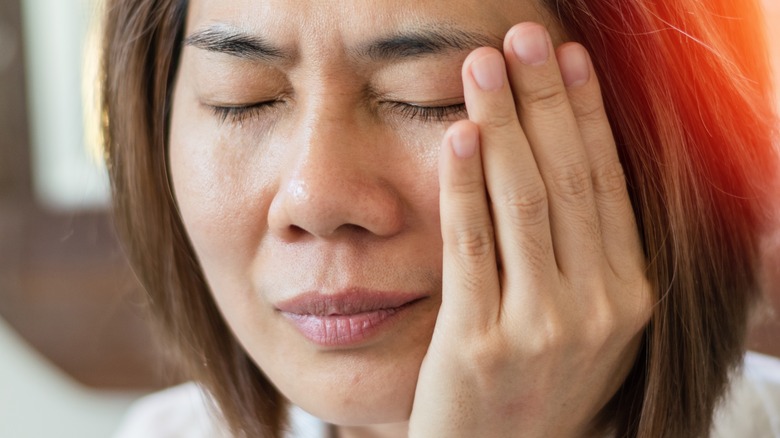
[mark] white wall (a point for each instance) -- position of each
(67, 174)
(39, 401)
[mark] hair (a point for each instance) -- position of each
(687, 88)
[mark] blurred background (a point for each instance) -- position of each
(74, 346)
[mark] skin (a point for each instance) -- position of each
(535, 298)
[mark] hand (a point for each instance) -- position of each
(544, 291)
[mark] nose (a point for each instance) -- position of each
(337, 185)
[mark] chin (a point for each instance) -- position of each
(356, 387)
(359, 409)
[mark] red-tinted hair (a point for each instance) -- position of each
(688, 90)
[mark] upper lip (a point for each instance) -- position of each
(346, 302)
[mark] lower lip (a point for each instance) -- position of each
(346, 330)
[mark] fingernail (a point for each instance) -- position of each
(530, 44)
(464, 143)
(575, 66)
(488, 72)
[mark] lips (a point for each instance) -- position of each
(347, 318)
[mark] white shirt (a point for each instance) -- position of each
(751, 409)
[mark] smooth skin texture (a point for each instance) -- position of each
(517, 225)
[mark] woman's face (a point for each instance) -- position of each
(312, 204)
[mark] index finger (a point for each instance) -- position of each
(470, 286)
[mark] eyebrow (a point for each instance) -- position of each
(409, 44)
(236, 43)
(417, 43)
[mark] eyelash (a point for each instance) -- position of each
(240, 114)
(430, 113)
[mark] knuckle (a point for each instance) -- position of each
(465, 186)
(500, 118)
(546, 96)
(474, 242)
(634, 309)
(610, 180)
(642, 306)
(589, 111)
(572, 181)
(491, 356)
(548, 340)
(600, 329)
(527, 206)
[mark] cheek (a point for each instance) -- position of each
(222, 190)
(423, 183)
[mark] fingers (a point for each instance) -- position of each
(619, 233)
(556, 200)
(470, 288)
(554, 135)
(517, 192)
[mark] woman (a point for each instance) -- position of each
(425, 219)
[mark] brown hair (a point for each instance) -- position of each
(687, 88)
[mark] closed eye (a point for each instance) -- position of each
(424, 114)
(241, 113)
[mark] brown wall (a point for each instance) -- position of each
(14, 158)
(64, 284)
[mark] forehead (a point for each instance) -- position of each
(348, 23)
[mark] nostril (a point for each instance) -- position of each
(296, 231)
(353, 230)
